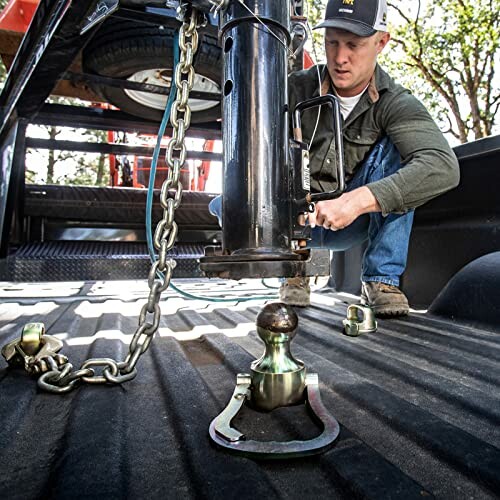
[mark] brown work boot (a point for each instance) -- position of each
(385, 300)
(296, 292)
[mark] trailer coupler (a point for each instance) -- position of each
(277, 379)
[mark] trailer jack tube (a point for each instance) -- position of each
(258, 203)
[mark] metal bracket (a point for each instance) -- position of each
(360, 319)
(233, 440)
(103, 10)
(32, 349)
(310, 262)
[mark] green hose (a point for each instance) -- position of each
(149, 199)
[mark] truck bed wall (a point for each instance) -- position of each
(448, 233)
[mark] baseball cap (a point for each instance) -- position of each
(361, 17)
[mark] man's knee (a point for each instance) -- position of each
(215, 208)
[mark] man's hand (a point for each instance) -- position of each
(339, 213)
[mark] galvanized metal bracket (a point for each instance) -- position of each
(360, 319)
(33, 348)
(226, 436)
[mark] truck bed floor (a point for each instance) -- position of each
(418, 401)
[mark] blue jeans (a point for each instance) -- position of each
(385, 257)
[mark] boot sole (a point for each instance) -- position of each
(391, 313)
(387, 311)
(295, 303)
(296, 298)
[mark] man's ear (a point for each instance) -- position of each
(383, 40)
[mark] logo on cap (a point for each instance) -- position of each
(363, 18)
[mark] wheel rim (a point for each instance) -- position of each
(163, 77)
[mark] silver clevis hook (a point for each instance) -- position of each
(277, 379)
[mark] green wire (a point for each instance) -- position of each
(212, 299)
(149, 199)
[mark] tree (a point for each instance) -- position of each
(88, 169)
(77, 168)
(96, 171)
(87, 173)
(53, 155)
(315, 10)
(446, 53)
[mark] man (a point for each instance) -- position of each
(395, 156)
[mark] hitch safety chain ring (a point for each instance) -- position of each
(58, 375)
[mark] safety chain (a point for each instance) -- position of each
(61, 377)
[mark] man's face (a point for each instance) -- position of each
(351, 59)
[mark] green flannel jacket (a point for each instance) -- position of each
(385, 109)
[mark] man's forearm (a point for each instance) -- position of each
(364, 200)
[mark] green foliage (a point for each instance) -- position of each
(79, 168)
(85, 174)
(30, 176)
(446, 53)
(315, 10)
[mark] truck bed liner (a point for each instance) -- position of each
(418, 401)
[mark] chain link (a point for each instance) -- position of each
(61, 378)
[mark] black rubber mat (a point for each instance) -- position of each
(418, 401)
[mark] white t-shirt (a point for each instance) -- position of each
(347, 103)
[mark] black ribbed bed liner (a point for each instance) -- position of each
(93, 260)
(418, 402)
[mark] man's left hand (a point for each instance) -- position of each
(343, 211)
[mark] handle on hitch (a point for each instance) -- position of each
(339, 147)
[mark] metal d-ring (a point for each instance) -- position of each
(233, 440)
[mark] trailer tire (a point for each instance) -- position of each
(123, 49)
